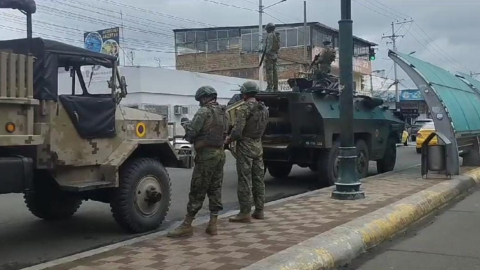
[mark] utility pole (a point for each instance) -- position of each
(123, 41)
(394, 37)
(260, 34)
(348, 185)
(305, 54)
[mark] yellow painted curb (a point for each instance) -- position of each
(345, 242)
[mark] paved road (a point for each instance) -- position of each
(26, 240)
(446, 242)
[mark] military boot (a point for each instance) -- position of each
(212, 225)
(258, 214)
(184, 230)
(241, 218)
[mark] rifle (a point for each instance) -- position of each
(263, 56)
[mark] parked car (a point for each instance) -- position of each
(417, 125)
(181, 145)
(423, 134)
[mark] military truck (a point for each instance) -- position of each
(304, 130)
(60, 150)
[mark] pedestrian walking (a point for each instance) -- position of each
(250, 124)
(207, 131)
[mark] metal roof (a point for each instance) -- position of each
(314, 24)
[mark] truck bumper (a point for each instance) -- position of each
(16, 174)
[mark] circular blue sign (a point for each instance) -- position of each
(94, 42)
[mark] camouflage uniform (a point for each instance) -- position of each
(271, 50)
(323, 62)
(207, 131)
(251, 122)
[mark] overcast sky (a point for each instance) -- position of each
(445, 32)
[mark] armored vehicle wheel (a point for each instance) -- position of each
(363, 159)
(142, 200)
(280, 170)
(48, 202)
(387, 163)
(328, 165)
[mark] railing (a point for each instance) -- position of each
(16, 76)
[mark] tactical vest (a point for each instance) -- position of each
(214, 128)
(257, 121)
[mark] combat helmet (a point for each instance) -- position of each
(270, 26)
(249, 87)
(205, 91)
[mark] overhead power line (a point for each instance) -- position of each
(155, 13)
(386, 11)
(229, 5)
(115, 12)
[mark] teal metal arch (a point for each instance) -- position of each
(454, 103)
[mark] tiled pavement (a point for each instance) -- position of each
(240, 245)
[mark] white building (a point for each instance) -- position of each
(163, 91)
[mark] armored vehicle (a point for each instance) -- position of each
(62, 149)
(304, 129)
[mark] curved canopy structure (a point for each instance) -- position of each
(454, 102)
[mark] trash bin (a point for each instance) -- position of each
(436, 157)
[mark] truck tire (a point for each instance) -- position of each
(387, 163)
(47, 202)
(142, 200)
(363, 158)
(280, 170)
(328, 165)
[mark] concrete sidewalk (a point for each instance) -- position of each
(310, 231)
(450, 242)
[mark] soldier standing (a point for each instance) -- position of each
(251, 122)
(323, 62)
(272, 46)
(207, 131)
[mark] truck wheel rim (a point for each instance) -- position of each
(142, 204)
(362, 164)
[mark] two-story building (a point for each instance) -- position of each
(233, 51)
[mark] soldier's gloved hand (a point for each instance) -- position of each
(184, 120)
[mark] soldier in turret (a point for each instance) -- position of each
(322, 64)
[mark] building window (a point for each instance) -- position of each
(255, 41)
(292, 38)
(319, 38)
(223, 44)
(180, 37)
(222, 34)
(234, 42)
(247, 42)
(190, 36)
(212, 46)
(233, 33)
(201, 36)
(212, 35)
(201, 46)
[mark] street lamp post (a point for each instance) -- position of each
(348, 185)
